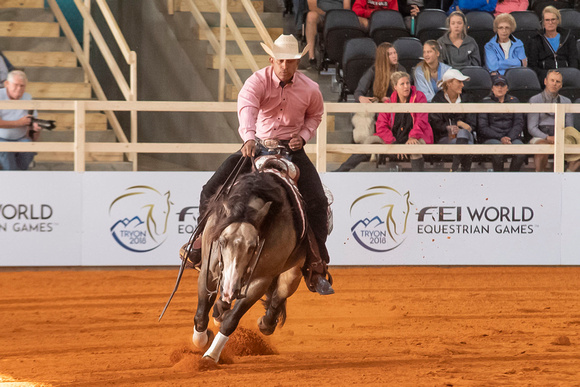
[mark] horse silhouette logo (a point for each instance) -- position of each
(380, 218)
(140, 218)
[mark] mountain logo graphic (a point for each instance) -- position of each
(380, 218)
(139, 218)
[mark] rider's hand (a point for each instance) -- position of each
(296, 143)
(249, 148)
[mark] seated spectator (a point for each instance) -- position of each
(466, 6)
(541, 125)
(504, 50)
(553, 47)
(501, 128)
(16, 124)
(399, 128)
(5, 68)
(429, 71)
(411, 8)
(375, 84)
(508, 6)
(538, 5)
(316, 11)
(364, 9)
(457, 48)
(454, 128)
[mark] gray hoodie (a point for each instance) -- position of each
(466, 55)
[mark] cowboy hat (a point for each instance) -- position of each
(571, 136)
(285, 47)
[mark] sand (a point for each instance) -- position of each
(394, 326)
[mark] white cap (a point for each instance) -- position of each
(285, 47)
(452, 74)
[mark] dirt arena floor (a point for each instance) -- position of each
(394, 326)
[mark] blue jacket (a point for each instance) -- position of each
(473, 5)
(425, 86)
(495, 58)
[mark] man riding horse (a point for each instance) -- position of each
(279, 103)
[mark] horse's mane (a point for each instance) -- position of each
(252, 185)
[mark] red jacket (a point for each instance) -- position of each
(421, 127)
(364, 8)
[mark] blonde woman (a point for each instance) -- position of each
(430, 70)
(504, 50)
(375, 84)
(457, 48)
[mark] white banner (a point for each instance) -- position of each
(143, 218)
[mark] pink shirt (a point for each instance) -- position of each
(267, 110)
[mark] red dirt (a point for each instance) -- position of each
(403, 326)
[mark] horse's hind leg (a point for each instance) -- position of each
(275, 303)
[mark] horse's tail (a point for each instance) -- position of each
(281, 309)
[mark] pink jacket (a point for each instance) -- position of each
(511, 5)
(421, 127)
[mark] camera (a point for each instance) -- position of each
(44, 124)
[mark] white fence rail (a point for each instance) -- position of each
(79, 146)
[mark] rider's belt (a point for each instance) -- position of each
(272, 143)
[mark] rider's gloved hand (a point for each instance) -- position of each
(249, 148)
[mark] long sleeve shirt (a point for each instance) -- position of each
(541, 125)
(269, 109)
(14, 115)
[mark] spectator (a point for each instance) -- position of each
(5, 68)
(553, 47)
(541, 125)
(399, 128)
(457, 48)
(16, 124)
(504, 50)
(315, 16)
(454, 128)
(411, 8)
(466, 6)
(508, 6)
(430, 70)
(375, 84)
(364, 9)
(501, 128)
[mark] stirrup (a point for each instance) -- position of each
(191, 255)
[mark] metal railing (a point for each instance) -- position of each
(80, 146)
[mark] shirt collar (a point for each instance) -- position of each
(278, 82)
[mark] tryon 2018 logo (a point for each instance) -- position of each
(140, 217)
(380, 218)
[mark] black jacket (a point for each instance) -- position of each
(542, 57)
(405, 9)
(440, 121)
(498, 125)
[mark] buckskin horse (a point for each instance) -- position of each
(252, 246)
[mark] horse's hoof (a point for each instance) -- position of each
(207, 357)
(266, 330)
(323, 287)
(202, 339)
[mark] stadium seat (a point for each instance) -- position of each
(523, 83)
(410, 51)
(340, 25)
(480, 83)
(576, 115)
(359, 56)
(571, 21)
(571, 82)
(387, 26)
(430, 24)
(528, 25)
(481, 29)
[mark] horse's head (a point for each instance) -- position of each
(239, 245)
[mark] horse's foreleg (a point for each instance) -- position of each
(286, 285)
(206, 291)
(232, 319)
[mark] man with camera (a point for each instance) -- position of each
(16, 125)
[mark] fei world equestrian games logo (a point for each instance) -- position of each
(140, 218)
(380, 218)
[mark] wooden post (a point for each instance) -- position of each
(87, 39)
(222, 53)
(559, 124)
(321, 143)
(133, 157)
(80, 136)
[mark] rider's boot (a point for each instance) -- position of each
(319, 273)
(192, 254)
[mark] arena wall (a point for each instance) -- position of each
(134, 219)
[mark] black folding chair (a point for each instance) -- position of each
(387, 26)
(359, 56)
(410, 52)
(481, 29)
(340, 25)
(430, 24)
(528, 25)
(480, 83)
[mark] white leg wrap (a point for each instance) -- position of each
(217, 346)
(200, 338)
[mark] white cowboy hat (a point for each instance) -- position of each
(571, 136)
(285, 47)
(452, 74)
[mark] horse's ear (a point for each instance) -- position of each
(262, 212)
